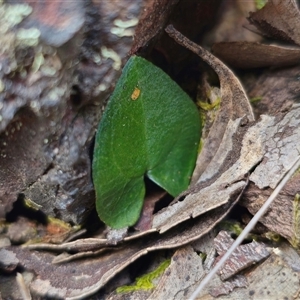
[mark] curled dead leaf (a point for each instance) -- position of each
(234, 102)
(82, 277)
(247, 55)
(243, 257)
(279, 19)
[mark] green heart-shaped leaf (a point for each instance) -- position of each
(150, 127)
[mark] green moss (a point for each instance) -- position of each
(58, 223)
(231, 226)
(295, 240)
(203, 256)
(259, 4)
(255, 99)
(235, 228)
(273, 236)
(209, 106)
(145, 282)
(31, 204)
(201, 143)
(208, 110)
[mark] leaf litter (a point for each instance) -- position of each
(258, 282)
(278, 19)
(81, 278)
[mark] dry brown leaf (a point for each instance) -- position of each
(152, 21)
(81, 278)
(184, 271)
(271, 145)
(277, 277)
(234, 102)
(279, 19)
(281, 216)
(145, 221)
(272, 279)
(238, 152)
(198, 203)
(243, 257)
(280, 137)
(247, 55)
(192, 17)
(277, 90)
(228, 286)
(230, 24)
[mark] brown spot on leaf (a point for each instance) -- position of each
(135, 94)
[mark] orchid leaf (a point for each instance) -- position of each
(150, 128)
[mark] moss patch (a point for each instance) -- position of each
(145, 282)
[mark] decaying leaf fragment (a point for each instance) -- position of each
(277, 90)
(228, 286)
(283, 214)
(272, 279)
(234, 102)
(82, 277)
(240, 149)
(196, 204)
(152, 21)
(281, 135)
(247, 55)
(184, 271)
(145, 221)
(279, 19)
(271, 145)
(243, 257)
(275, 278)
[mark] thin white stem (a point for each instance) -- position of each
(247, 229)
(23, 288)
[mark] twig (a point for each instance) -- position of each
(247, 229)
(23, 288)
